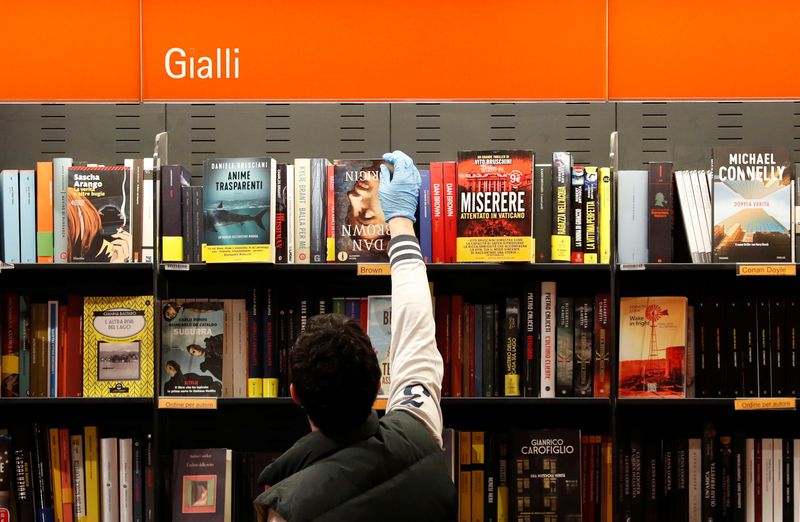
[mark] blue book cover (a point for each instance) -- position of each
(27, 216)
(239, 210)
(352, 308)
(479, 351)
(425, 242)
(379, 330)
(24, 347)
(191, 348)
(9, 184)
(61, 176)
(52, 343)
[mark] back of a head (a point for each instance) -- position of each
(335, 372)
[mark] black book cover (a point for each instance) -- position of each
(511, 348)
(138, 482)
(584, 324)
(637, 478)
(149, 481)
(173, 177)
(23, 471)
(283, 351)
(739, 479)
(763, 347)
(576, 195)
(792, 341)
(496, 376)
(281, 243)
(545, 475)
(624, 479)
(720, 349)
(561, 240)
(725, 478)
(651, 478)
(660, 221)
(488, 351)
(703, 349)
(531, 366)
(749, 341)
(198, 222)
(708, 482)
(491, 460)
(667, 484)
(198, 485)
(679, 504)
(542, 211)
(268, 344)
(187, 232)
(735, 358)
(42, 488)
(777, 323)
(565, 347)
(788, 481)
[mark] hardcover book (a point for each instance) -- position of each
(495, 206)
(752, 195)
(379, 330)
(362, 234)
(652, 347)
(192, 348)
(118, 346)
(199, 485)
(239, 210)
(546, 475)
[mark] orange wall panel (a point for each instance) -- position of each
(707, 49)
(378, 50)
(75, 50)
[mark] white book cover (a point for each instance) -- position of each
(632, 219)
(695, 474)
(78, 476)
(109, 480)
(777, 479)
(273, 207)
(148, 218)
(290, 214)
(750, 481)
(302, 210)
(125, 480)
(689, 219)
(548, 342)
(766, 479)
(700, 191)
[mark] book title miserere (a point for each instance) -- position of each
(747, 166)
(548, 447)
(493, 202)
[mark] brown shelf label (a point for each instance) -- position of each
(187, 403)
(380, 404)
(772, 403)
(373, 269)
(181, 267)
(766, 270)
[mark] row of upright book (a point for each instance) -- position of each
(742, 209)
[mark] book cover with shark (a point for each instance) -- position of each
(239, 210)
(752, 204)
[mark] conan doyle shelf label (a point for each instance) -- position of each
(766, 270)
(494, 206)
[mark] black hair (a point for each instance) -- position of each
(335, 372)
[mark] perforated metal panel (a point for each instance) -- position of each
(95, 133)
(437, 131)
(685, 133)
(283, 131)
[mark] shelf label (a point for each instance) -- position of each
(373, 269)
(772, 403)
(766, 270)
(182, 267)
(187, 403)
(380, 404)
(637, 266)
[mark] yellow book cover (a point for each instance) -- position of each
(118, 346)
(464, 476)
(478, 470)
(494, 206)
(55, 473)
(604, 216)
(91, 474)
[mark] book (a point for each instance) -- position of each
(173, 178)
(604, 215)
(27, 216)
(318, 211)
(290, 215)
(601, 339)
(512, 348)
(424, 220)
(78, 475)
(379, 330)
(199, 479)
(192, 339)
(99, 215)
(546, 475)
(542, 212)
(590, 216)
(565, 346)
(661, 213)
(44, 211)
(61, 204)
(92, 470)
(118, 346)
(125, 451)
(281, 240)
(10, 345)
(464, 480)
(198, 223)
(9, 189)
(188, 234)
(437, 212)
(109, 480)
(330, 224)
(239, 210)
(583, 329)
(752, 209)
(302, 210)
(576, 202)
(449, 199)
(652, 347)
(136, 193)
(561, 242)
(688, 210)
(148, 211)
(362, 234)
(55, 473)
(67, 491)
(548, 340)
(6, 465)
(494, 206)
(632, 216)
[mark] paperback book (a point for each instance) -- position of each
(379, 330)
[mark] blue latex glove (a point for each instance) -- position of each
(399, 194)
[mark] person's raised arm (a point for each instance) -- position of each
(415, 363)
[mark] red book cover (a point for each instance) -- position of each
(67, 497)
(75, 345)
(437, 212)
(456, 368)
(602, 367)
(10, 348)
(450, 223)
(65, 361)
(443, 338)
(364, 314)
(472, 350)
(331, 232)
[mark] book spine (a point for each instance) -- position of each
(137, 482)
(763, 348)
(767, 479)
(735, 368)
(576, 203)
(9, 185)
(74, 346)
(443, 329)
(792, 348)
(465, 355)
(44, 212)
(255, 367)
(636, 487)
(425, 243)
(318, 210)
(590, 215)
(43, 490)
(604, 219)
(148, 212)
(280, 214)
(531, 368)
(149, 482)
(796, 479)
(290, 214)
(136, 171)
(542, 212)
(650, 479)
(456, 318)
(624, 479)
(198, 224)
(796, 212)
(710, 476)
(720, 347)
(78, 474)
(450, 222)
(437, 212)
(187, 233)
(490, 478)
(25, 351)
(331, 202)
(9, 362)
(750, 495)
(476, 348)
(60, 181)
(52, 344)
(548, 340)
(55, 473)
(511, 346)
(464, 476)
(561, 243)
(172, 215)
(583, 320)
(478, 472)
(488, 351)
(679, 506)
(601, 355)
(92, 470)
(503, 489)
(565, 342)
(65, 364)
(777, 323)
(302, 194)
(787, 472)
(632, 216)
(271, 379)
(691, 353)
(695, 480)
(703, 350)
(67, 492)
(125, 479)
(109, 481)
(27, 216)
(661, 210)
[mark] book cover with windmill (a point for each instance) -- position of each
(239, 210)
(752, 209)
(652, 347)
